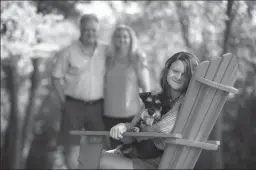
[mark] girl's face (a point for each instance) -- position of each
(122, 39)
(176, 77)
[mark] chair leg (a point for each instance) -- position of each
(90, 152)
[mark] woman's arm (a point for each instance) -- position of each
(146, 80)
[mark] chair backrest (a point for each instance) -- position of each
(206, 95)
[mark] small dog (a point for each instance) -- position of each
(153, 108)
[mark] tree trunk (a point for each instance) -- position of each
(30, 110)
(11, 149)
(228, 25)
(217, 131)
(184, 23)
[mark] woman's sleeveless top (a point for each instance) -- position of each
(121, 99)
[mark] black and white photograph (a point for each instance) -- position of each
(89, 84)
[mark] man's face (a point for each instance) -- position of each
(177, 78)
(89, 31)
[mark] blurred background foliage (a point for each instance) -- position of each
(32, 31)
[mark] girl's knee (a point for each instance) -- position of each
(113, 161)
(106, 161)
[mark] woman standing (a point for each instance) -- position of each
(127, 74)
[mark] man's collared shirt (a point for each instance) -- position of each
(83, 75)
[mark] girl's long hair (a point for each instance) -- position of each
(190, 61)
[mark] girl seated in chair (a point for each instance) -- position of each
(174, 81)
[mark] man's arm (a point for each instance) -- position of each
(59, 70)
(58, 86)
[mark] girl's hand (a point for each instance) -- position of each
(117, 131)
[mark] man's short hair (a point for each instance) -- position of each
(88, 17)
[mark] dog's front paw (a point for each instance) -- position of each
(135, 129)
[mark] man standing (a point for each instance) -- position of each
(78, 78)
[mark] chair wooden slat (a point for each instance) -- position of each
(197, 144)
(217, 85)
(141, 134)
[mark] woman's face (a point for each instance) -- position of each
(122, 39)
(176, 77)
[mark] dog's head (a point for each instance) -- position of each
(152, 102)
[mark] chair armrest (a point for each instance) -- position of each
(133, 134)
(208, 145)
(217, 85)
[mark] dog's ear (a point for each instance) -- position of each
(144, 96)
(157, 102)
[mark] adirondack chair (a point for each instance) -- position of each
(206, 95)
